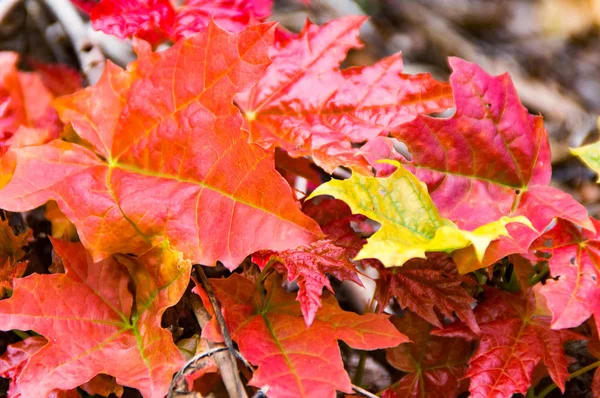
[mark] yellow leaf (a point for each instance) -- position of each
(590, 155)
(410, 223)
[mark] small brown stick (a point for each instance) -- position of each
(191, 366)
(364, 392)
(6, 6)
(232, 373)
(48, 30)
(223, 360)
(91, 59)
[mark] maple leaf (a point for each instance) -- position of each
(309, 264)
(435, 365)
(94, 325)
(58, 78)
(427, 287)
(512, 342)
(491, 159)
(410, 223)
(26, 117)
(15, 358)
(157, 20)
(25, 99)
(306, 105)
(574, 295)
(169, 159)
(294, 360)
(590, 155)
(61, 226)
(11, 254)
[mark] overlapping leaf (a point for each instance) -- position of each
(306, 105)
(573, 294)
(435, 365)
(24, 100)
(294, 360)
(513, 341)
(429, 288)
(94, 325)
(158, 20)
(11, 256)
(168, 159)
(410, 223)
(590, 155)
(309, 265)
(26, 117)
(15, 358)
(490, 160)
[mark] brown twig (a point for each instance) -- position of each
(364, 392)
(6, 6)
(223, 359)
(191, 366)
(232, 374)
(49, 31)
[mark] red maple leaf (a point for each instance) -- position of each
(25, 102)
(168, 158)
(309, 265)
(306, 105)
(16, 357)
(11, 256)
(435, 365)
(491, 159)
(26, 117)
(427, 287)
(92, 323)
(157, 20)
(512, 342)
(292, 359)
(574, 295)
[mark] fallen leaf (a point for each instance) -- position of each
(291, 359)
(168, 159)
(306, 105)
(435, 365)
(490, 160)
(410, 223)
(93, 324)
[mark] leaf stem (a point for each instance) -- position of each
(573, 375)
(538, 277)
(240, 390)
(21, 334)
(531, 392)
(360, 368)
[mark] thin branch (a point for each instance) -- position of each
(191, 366)
(223, 360)
(573, 375)
(6, 6)
(364, 392)
(238, 386)
(91, 59)
(48, 30)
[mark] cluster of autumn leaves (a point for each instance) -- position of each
(187, 155)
